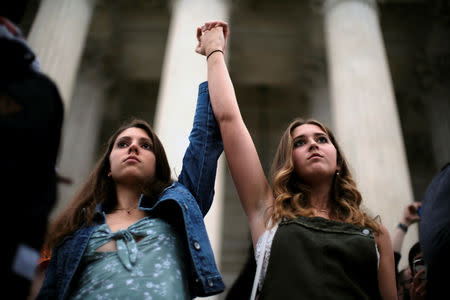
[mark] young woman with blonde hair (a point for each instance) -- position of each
(309, 230)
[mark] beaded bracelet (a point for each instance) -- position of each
(402, 227)
(217, 50)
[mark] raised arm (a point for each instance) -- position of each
(410, 216)
(252, 186)
(200, 159)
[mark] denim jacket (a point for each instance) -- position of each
(192, 195)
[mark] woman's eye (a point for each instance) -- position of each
(322, 139)
(147, 146)
(121, 144)
(299, 143)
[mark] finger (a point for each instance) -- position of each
(212, 24)
(416, 279)
(421, 289)
(207, 25)
(226, 31)
(219, 24)
(412, 209)
(218, 28)
(222, 23)
(199, 33)
(422, 286)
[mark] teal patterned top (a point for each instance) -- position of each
(152, 268)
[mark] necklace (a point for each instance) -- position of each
(128, 210)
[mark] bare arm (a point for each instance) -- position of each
(409, 217)
(251, 184)
(386, 269)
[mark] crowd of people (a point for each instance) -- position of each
(131, 232)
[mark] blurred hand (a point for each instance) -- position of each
(61, 178)
(410, 215)
(418, 289)
(212, 36)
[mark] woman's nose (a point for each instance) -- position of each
(133, 148)
(313, 144)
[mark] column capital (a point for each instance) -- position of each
(172, 3)
(328, 5)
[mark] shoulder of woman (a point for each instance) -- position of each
(382, 237)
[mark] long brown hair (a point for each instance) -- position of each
(100, 189)
(292, 195)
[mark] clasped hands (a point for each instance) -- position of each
(212, 36)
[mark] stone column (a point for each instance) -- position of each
(183, 70)
(364, 111)
(58, 36)
(81, 132)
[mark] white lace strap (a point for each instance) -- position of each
(259, 263)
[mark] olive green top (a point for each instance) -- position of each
(316, 258)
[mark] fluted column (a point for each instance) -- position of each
(81, 133)
(58, 36)
(364, 110)
(183, 70)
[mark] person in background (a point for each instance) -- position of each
(133, 233)
(31, 118)
(434, 234)
(418, 286)
(410, 216)
(308, 227)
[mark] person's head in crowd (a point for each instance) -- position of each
(416, 262)
(413, 253)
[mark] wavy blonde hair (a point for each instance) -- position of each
(292, 195)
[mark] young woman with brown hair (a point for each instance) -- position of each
(133, 233)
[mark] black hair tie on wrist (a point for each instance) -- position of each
(403, 227)
(217, 50)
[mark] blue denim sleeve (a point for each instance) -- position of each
(48, 288)
(198, 173)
